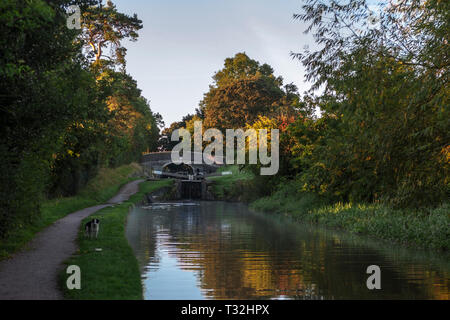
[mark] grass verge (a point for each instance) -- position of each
(113, 273)
(230, 187)
(426, 228)
(100, 189)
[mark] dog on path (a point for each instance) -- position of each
(92, 228)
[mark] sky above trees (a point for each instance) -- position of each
(183, 43)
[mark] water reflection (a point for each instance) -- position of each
(216, 250)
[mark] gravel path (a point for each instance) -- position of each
(32, 274)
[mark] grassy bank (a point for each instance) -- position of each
(112, 273)
(101, 188)
(230, 187)
(426, 228)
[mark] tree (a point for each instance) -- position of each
(241, 91)
(55, 126)
(44, 89)
(103, 27)
(131, 127)
(126, 127)
(385, 92)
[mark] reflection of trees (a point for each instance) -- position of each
(140, 235)
(237, 254)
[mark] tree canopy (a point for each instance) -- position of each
(243, 90)
(64, 111)
(104, 27)
(384, 131)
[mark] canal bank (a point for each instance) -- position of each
(109, 270)
(427, 228)
(99, 190)
(32, 273)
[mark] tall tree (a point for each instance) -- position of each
(385, 86)
(128, 127)
(241, 91)
(44, 89)
(104, 27)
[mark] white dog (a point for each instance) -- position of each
(92, 228)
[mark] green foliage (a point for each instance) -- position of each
(39, 73)
(427, 228)
(120, 125)
(104, 27)
(377, 160)
(384, 132)
(233, 187)
(99, 189)
(288, 198)
(243, 90)
(61, 118)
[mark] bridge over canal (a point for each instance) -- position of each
(162, 162)
(190, 182)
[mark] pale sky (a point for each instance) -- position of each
(184, 42)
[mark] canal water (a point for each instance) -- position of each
(219, 250)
